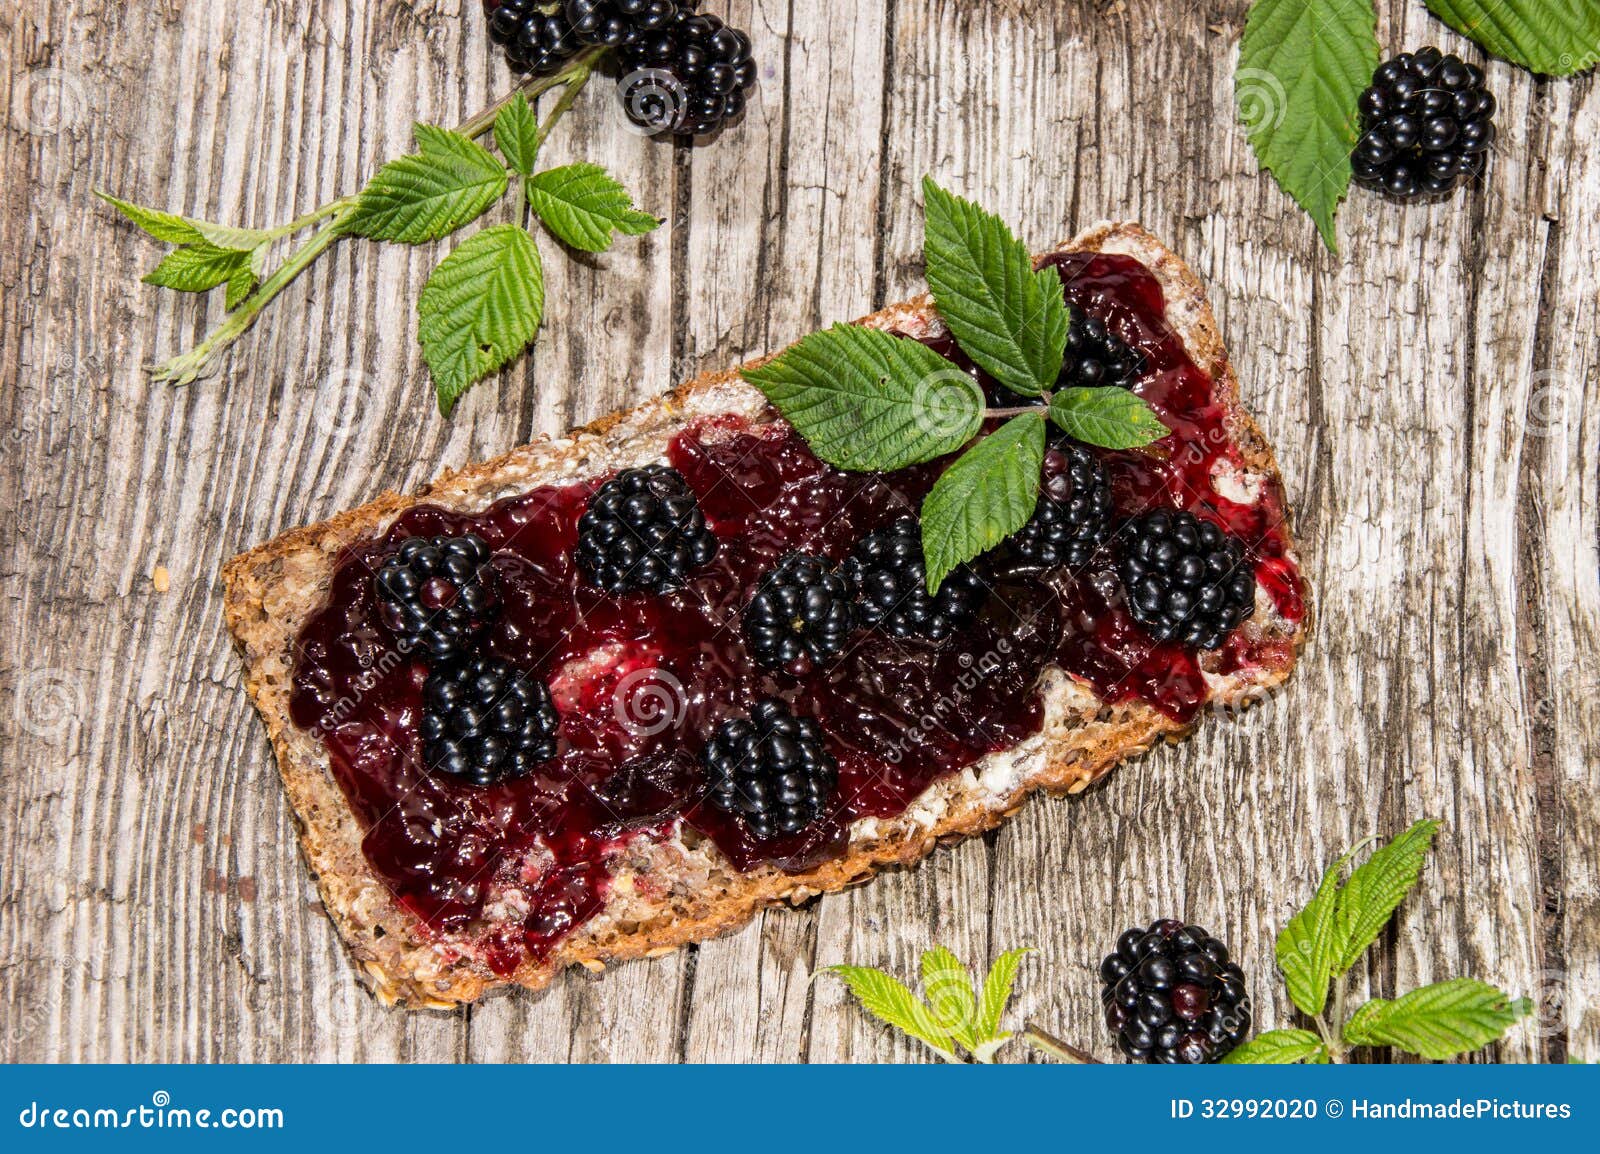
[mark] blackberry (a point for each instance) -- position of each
(534, 41)
(643, 530)
(484, 722)
(1187, 580)
(1427, 122)
(689, 77)
(800, 614)
(433, 593)
(770, 770)
(613, 23)
(1073, 516)
(890, 584)
(1172, 996)
(1095, 358)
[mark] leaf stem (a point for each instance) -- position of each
(533, 88)
(1048, 1043)
(1018, 410)
(197, 362)
(577, 73)
(321, 212)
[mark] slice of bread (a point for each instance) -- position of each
(666, 893)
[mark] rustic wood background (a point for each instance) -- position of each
(1429, 390)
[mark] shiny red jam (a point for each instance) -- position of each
(641, 681)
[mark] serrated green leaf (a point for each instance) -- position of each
(1302, 66)
(889, 1000)
(481, 307)
(1557, 39)
(1010, 319)
(1110, 417)
(1375, 890)
(988, 494)
(947, 991)
(867, 401)
(240, 285)
(583, 205)
(423, 197)
(185, 230)
(516, 133)
(1438, 1021)
(1307, 945)
(165, 226)
(197, 268)
(1278, 1048)
(996, 994)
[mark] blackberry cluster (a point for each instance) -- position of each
(887, 575)
(1095, 358)
(434, 595)
(613, 23)
(1172, 996)
(643, 530)
(801, 614)
(1186, 579)
(689, 77)
(1427, 122)
(484, 722)
(534, 40)
(770, 770)
(1073, 516)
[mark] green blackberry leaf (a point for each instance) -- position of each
(240, 285)
(1557, 39)
(584, 205)
(992, 1001)
(1008, 317)
(947, 991)
(1302, 66)
(889, 1000)
(867, 401)
(185, 230)
(1278, 1048)
(481, 307)
(197, 268)
(516, 133)
(1110, 417)
(1376, 889)
(1307, 946)
(423, 197)
(1438, 1021)
(988, 494)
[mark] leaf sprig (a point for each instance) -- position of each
(866, 400)
(1321, 943)
(484, 302)
(1304, 63)
(950, 1016)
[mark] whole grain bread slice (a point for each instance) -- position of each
(666, 893)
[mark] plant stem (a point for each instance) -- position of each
(195, 363)
(200, 360)
(1048, 1043)
(1017, 410)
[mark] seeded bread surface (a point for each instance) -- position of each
(667, 893)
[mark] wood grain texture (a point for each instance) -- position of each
(1429, 391)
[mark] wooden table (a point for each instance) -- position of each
(1429, 391)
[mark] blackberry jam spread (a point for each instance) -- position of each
(642, 680)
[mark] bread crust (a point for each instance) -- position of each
(665, 894)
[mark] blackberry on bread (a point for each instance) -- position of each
(663, 887)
